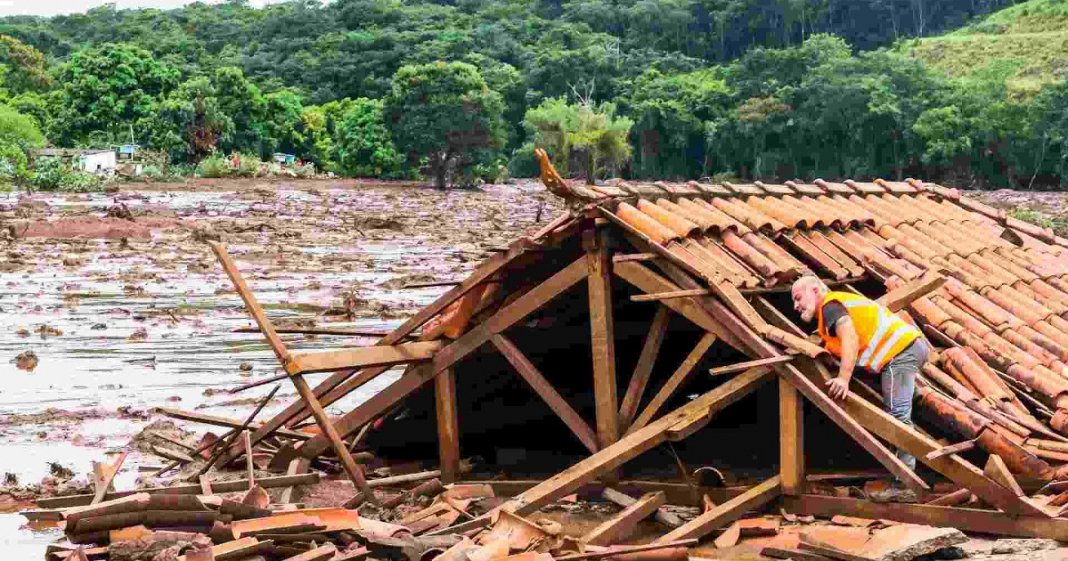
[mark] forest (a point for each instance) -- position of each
(971, 93)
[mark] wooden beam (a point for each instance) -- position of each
(361, 357)
(618, 527)
(654, 434)
(965, 519)
(727, 512)
(448, 425)
(677, 380)
(249, 464)
(467, 343)
(547, 392)
(901, 297)
(688, 293)
(602, 335)
(232, 438)
(739, 367)
(791, 440)
(644, 369)
(296, 466)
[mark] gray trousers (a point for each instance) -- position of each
(898, 385)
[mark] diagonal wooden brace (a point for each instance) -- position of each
(348, 463)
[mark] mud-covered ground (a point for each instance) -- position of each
(112, 304)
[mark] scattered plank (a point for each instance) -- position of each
(727, 512)
(901, 297)
(623, 550)
(622, 524)
(219, 487)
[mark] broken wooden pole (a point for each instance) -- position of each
(688, 293)
(351, 468)
(618, 527)
(741, 366)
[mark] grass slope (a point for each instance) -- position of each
(1028, 43)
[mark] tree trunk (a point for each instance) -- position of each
(591, 167)
(439, 169)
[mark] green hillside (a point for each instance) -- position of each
(1027, 43)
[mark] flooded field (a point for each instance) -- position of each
(112, 304)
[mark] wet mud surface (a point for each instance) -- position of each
(112, 304)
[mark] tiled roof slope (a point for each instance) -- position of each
(1005, 302)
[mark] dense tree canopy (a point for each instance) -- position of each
(750, 89)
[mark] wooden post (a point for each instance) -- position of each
(606, 399)
(791, 440)
(248, 459)
(448, 425)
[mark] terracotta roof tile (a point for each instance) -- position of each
(675, 222)
(775, 208)
(864, 187)
(710, 188)
(895, 186)
(749, 217)
(805, 188)
(645, 224)
(775, 189)
(825, 245)
(744, 188)
(711, 218)
(750, 255)
(816, 256)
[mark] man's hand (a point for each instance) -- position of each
(838, 388)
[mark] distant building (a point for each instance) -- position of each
(98, 161)
(127, 151)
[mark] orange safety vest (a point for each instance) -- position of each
(883, 335)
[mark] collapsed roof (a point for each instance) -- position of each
(989, 292)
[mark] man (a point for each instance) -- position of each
(861, 332)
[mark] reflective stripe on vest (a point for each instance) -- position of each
(889, 334)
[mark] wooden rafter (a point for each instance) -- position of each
(644, 368)
(791, 439)
(546, 391)
(469, 342)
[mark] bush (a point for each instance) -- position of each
(248, 166)
(523, 163)
(213, 166)
(13, 165)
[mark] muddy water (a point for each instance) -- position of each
(126, 316)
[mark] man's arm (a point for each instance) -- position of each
(838, 388)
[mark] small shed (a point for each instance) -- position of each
(98, 161)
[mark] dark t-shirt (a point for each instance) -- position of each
(832, 312)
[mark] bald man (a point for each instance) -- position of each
(862, 332)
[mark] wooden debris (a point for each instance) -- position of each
(619, 526)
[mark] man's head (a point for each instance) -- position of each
(808, 292)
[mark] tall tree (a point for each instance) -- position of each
(445, 113)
